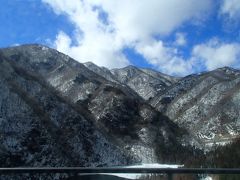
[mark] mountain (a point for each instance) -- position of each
(188, 98)
(102, 71)
(146, 83)
(41, 128)
(57, 112)
(206, 105)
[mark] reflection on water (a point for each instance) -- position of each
(97, 177)
(124, 176)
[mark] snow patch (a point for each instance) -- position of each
(207, 178)
(222, 143)
(231, 131)
(44, 48)
(150, 166)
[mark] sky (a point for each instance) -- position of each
(176, 37)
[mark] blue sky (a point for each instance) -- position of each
(29, 21)
(174, 37)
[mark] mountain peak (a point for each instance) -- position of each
(26, 46)
(227, 68)
(89, 63)
(131, 67)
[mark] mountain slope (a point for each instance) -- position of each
(207, 105)
(146, 83)
(115, 110)
(77, 114)
(40, 128)
(102, 71)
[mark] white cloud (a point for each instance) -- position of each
(63, 42)
(131, 24)
(139, 19)
(99, 50)
(215, 54)
(166, 59)
(231, 8)
(180, 39)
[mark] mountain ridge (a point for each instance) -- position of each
(120, 118)
(69, 113)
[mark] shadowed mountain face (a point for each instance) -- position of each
(40, 128)
(57, 112)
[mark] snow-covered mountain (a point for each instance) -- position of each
(55, 111)
(102, 71)
(206, 104)
(52, 105)
(145, 82)
(41, 128)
